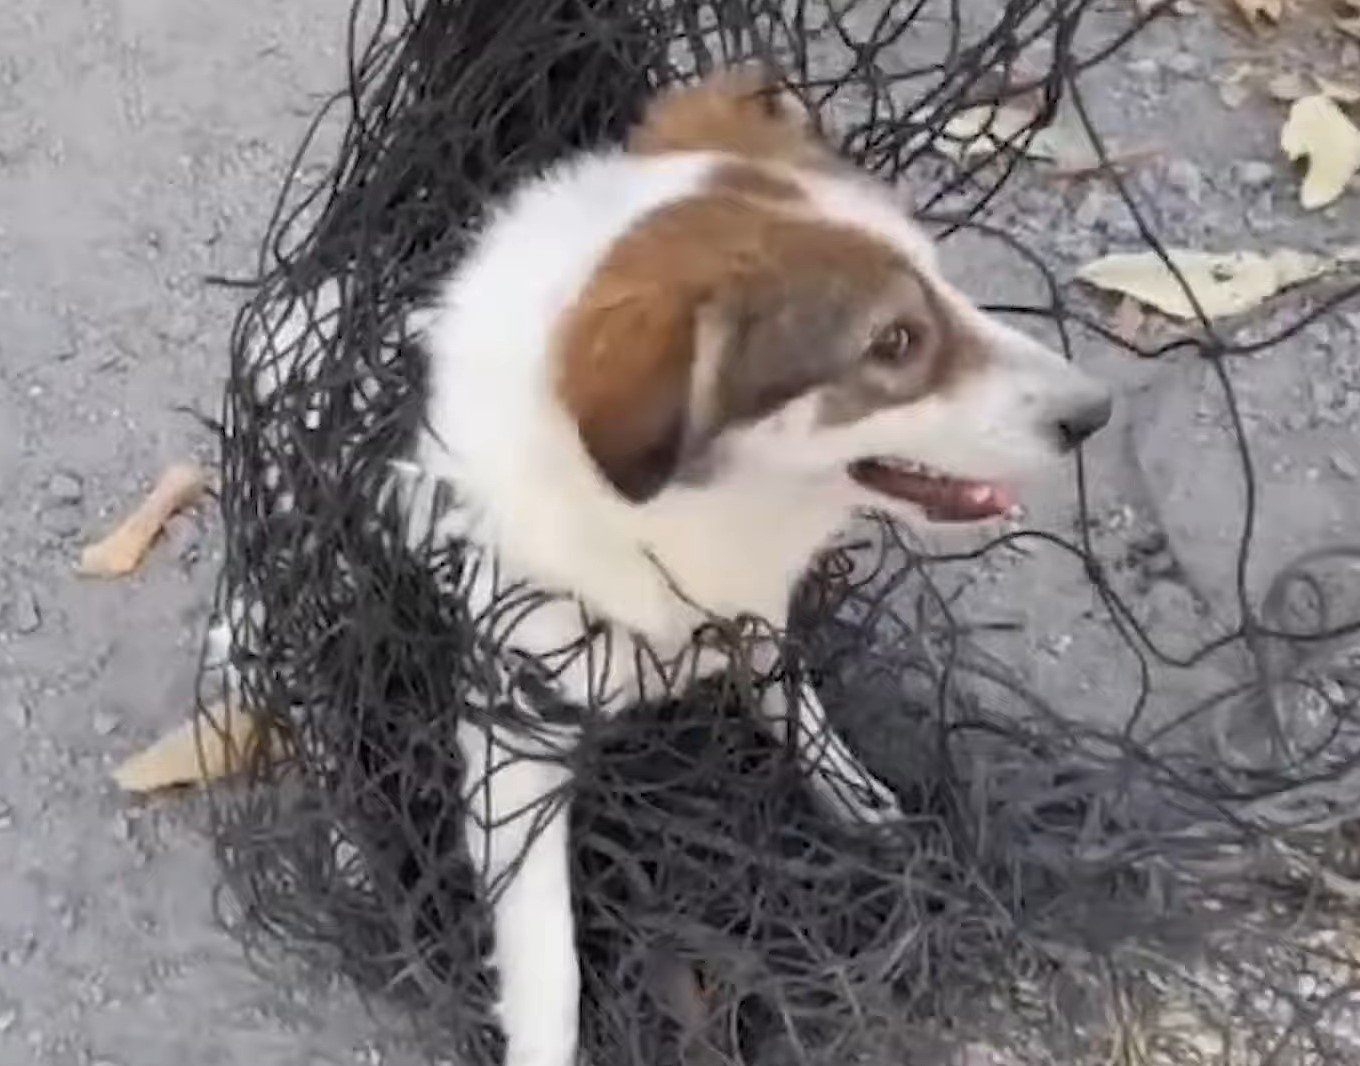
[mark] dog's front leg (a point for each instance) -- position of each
(517, 833)
(841, 782)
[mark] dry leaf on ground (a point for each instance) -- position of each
(1347, 18)
(122, 550)
(989, 129)
(1289, 87)
(1224, 285)
(1065, 146)
(1340, 91)
(986, 129)
(1318, 130)
(1260, 14)
(194, 753)
(1113, 161)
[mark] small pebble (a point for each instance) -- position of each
(1058, 645)
(1183, 63)
(1185, 176)
(25, 615)
(1345, 466)
(19, 713)
(105, 723)
(62, 520)
(1233, 94)
(1255, 173)
(28, 947)
(1091, 208)
(65, 488)
(1150, 543)
(1260, 216)
(1144, 68)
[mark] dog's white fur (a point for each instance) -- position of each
(736, 543)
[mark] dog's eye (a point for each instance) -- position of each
(891, 347)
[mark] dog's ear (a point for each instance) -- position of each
(747, 111)
(626, 378)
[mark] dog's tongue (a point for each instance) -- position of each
(944, 499)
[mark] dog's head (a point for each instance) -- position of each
(789, 320)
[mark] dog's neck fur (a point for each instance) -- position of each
(500, 434)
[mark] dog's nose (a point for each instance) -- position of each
(1083, 420)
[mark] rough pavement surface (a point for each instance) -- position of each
(141, 143)
(141, 146)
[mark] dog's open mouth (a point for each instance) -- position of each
(942, 498)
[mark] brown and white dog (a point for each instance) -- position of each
(664, 377)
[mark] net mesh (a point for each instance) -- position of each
(1174, 889)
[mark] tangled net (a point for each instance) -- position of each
(1177, 891)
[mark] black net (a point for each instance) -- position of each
(1174, 888)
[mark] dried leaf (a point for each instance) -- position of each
(1288, 87)
(1260, 14)
(1223, 284)
(1113, 161)
(1340, 91)
(1348, 24)
(1066, 147)
(196, 752)
(122, 550)
(1319, 131)
(989, 129)
(985, 130)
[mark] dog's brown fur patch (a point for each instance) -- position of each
(792, 295)
(783, 297)
(743, 111)
(944, 351)
(756, 182)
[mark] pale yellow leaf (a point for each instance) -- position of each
(215, 746)
(1067, 147)
(121, 551)
(1318, 130)
(1224, 285)
(1340, 91)
(984, 130)
(989, 129)
(1288, 87)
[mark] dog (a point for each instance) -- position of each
(664, 376)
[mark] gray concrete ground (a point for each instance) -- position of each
(141, 145)
(141, 142)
